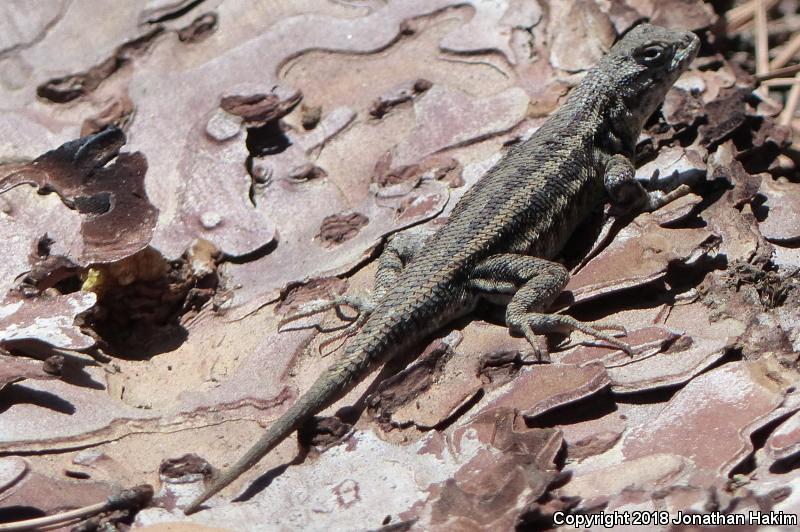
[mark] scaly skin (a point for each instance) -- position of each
(502, 234)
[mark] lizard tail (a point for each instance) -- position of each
(328, 388)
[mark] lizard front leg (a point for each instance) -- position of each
(535, 283)
(627, 193)
(400, 249)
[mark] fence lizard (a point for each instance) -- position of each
(502, 235)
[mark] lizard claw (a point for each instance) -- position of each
(538, 344)
(539, 349)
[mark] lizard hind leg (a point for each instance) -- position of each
(535, 283)
(399, 250)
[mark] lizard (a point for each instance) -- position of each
(501, 238)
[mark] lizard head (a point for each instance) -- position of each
(645, 63)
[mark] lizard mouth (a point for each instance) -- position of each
(687, 52)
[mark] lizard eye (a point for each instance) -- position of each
(652, 55)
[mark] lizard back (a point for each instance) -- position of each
(544, 186)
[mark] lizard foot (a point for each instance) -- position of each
(533, 324)
(362, 305)
(346, 332)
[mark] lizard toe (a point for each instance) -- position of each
(364, 306)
